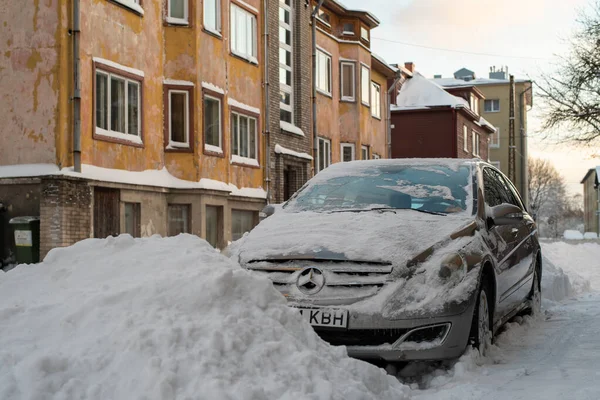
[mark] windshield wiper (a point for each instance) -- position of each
(426, 211)
(357, 210)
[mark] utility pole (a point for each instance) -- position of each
(511, 133)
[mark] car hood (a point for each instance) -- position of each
(393, 237)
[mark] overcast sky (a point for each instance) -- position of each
(521, 34)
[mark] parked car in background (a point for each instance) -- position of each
(405, 259)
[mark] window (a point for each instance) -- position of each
(212, 15)
(495, 142)
(242, 222)
(474, 104)
(212, 124)
(323, 72)
(348, 70)
(178, 218)
(243, 136)
(465, 138)
(364, 33)
(347, 152)
(324, 154)
(376, 99)
(117, 105)
(179, 118)
(286, 57)
(475, 136)
(324, 17)
(214, 224)
(365, 79)
(243, 33)
(364, 153)
(348, 28)
(132, 219)
(177, 12)
(498, 190)
(492, 105)
(376, 156)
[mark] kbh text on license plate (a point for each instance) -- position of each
(325, 317)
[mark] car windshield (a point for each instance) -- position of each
(427, 188)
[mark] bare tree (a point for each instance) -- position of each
(545, 185)
(571, 95)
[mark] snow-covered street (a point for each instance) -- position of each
(552, 357)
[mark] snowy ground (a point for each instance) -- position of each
(171, 318)
(555, 356)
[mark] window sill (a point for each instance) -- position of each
(130, 5)
(491, 112)
(211, 150)
(244, 162)
(494, 146)
(365, 104)
(291, 128)
(211, 32)
(176, 21)
(324, 93)
(248, 59)
(116, 137)
(376, 117)
(174, 147)
(347, 100)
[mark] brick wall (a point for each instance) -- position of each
(483, 138)
(65, 212)
(423, 134)
(302, 95)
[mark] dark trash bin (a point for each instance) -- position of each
(26, 232)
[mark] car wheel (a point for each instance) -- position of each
(535, 296)
(481, 331)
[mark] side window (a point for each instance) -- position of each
(516, 198)
(494, 188)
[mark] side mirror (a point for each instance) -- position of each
(506, 214)
(266, 212)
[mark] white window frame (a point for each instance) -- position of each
(217, 21)
(348, 33)
(376, 156)
(364, 34)
(475, 137)
(492, 108)
(327, 161)
(130, 137)
(238, 154)
(288, 89)
(495, 144)
(179, 21)
(365, 84)
(344, 96)
(474, 103)
(186, 142)
(207, 146)
(375, 100)
(351, 146)
(236, 12)
(364, 150)
(322, 56)
(320, 14)
(465, 138)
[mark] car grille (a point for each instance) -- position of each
(378, 337)
(345, 282)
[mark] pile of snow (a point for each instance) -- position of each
(590, 235)
(578, 260)
(155, 318)
(570, 234)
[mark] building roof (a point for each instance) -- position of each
(590, 171)
(455, 83)
(367, 17)
(419, 93)
(382, 66)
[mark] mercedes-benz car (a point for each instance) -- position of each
(402, 259)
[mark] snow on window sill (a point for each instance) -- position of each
(213, 32)
(131, 5)
(250, 59)
(176, 21)
(348, 99)
(348, 33)
(213, 149)
(178, 146)
(120, 136)
(250, 162)
(286, 126)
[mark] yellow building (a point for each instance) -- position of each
(123, 116)
(495, 109)
(591, 200)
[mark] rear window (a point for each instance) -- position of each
(434, 188)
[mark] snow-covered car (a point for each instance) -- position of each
(402, 259)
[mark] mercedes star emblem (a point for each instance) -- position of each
(310, 281)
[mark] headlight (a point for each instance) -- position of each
(453, 265)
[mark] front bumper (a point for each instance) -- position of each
(435, 338)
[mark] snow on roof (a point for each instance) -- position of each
(455, 83)
(421, 93)
(27, 170)
(484, 122)
(164, 318)
(381, 60)
(282, 150)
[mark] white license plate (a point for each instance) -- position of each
(325, 317)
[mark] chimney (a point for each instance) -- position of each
(499, 73)
(410, 66)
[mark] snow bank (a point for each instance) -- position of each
(572, 235)
(580, 261)
(154, 318)
(590, 235)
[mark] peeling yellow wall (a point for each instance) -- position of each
(29, 81)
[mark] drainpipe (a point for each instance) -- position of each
(77, 91)
(389, 112)
(267, 133)
(313, 18)
(524, 161)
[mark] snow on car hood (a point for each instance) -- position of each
(386, 236)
